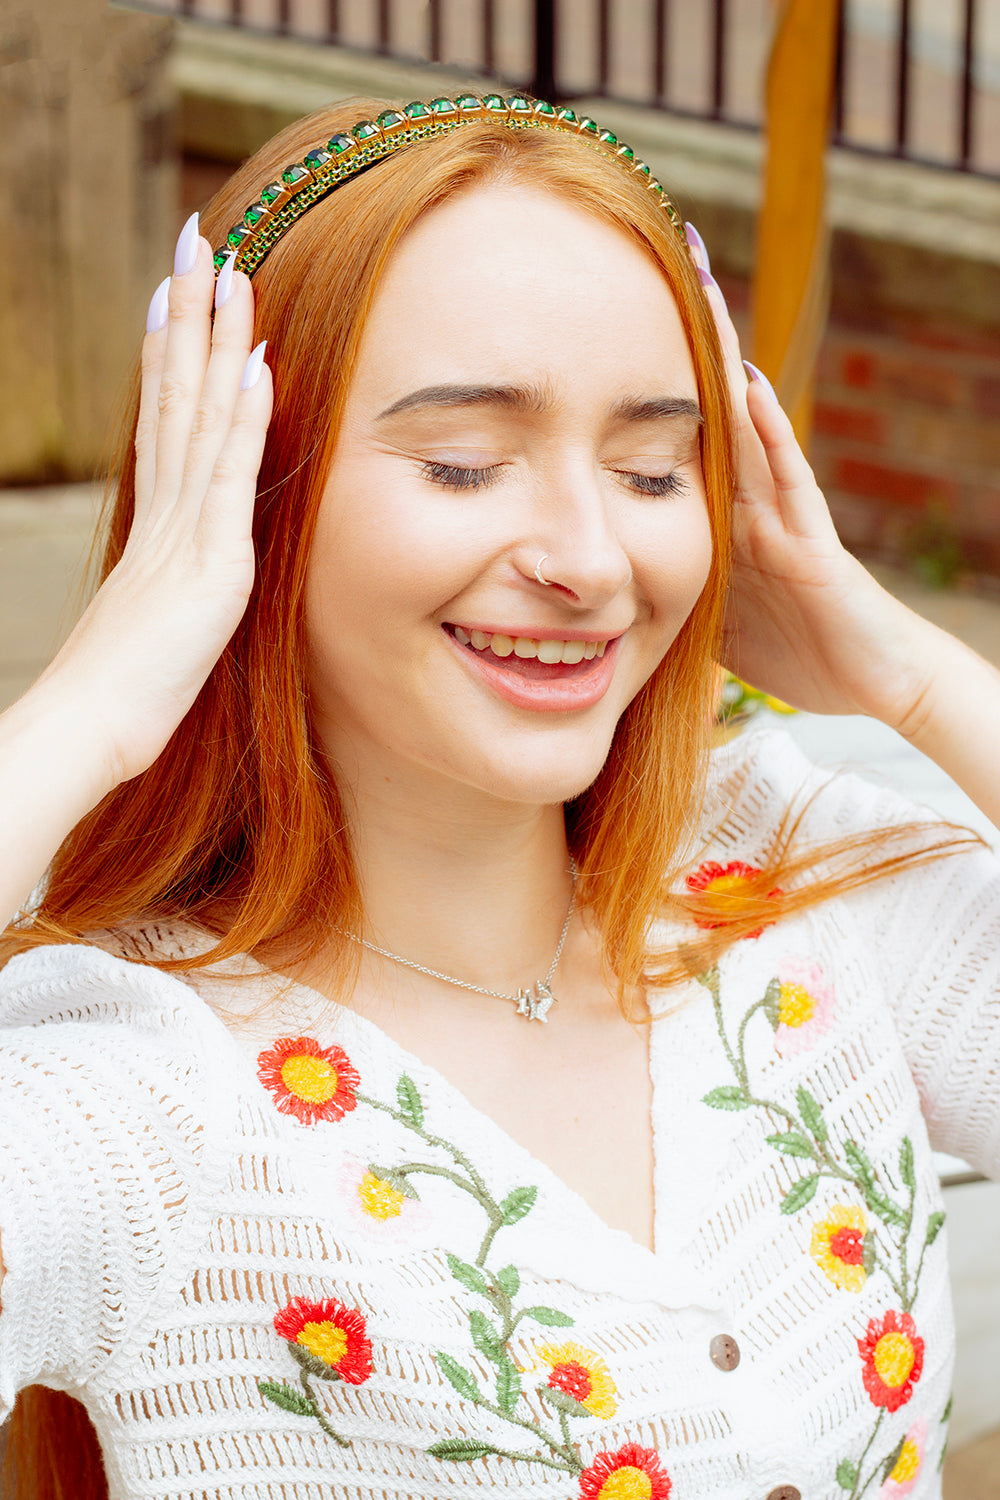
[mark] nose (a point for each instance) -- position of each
(574, 546)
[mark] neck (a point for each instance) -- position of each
(459, 882)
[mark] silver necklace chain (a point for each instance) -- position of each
(533, 1004)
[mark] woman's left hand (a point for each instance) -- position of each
(805, 621)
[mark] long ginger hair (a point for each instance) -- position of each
(238, 827)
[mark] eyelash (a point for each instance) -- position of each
(454, 477)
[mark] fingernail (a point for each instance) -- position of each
(760, 377)
(707, 279)
(186, 252)
(224, 283)
(696, 242)
(253, 367)
(156, 317)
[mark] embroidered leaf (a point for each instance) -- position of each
(517, 1204)
(508, 1385)
(485, 1337)
(906, 1164)
(459, 1377)
(317, 1368)
(883, 1206)
(792, 1143)
(802, 1193)
(893, 1459)
(287, 1397)
(847, 1474)
(729, 1096)
(933, 1230)
(563, 1401)
(410, 1106)
(468, 1275)
(709, 977)
(509, 1280)
(396, 1179)
(772, 1003)
(868, 1254)
(859, 1162)
(812, 1114)
(460, 1450)
(548, 1316)
(946, 1414)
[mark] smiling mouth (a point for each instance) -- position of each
(529, 656)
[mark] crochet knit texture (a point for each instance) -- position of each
(288, 1261)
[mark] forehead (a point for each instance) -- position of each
(509, 282)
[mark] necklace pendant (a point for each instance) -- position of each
(535, 1007)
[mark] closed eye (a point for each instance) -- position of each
(653, 484)
(455, 477)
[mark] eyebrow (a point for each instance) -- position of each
(533, 400)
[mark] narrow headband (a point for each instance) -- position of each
(349, 153)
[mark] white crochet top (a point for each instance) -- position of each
(298, 1264)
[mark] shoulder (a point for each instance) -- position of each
(761, 781)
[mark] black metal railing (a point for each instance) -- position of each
(915, 81)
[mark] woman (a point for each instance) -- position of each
(343, 1216)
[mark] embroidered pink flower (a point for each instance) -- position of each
(892, 1355)
(309, 1081)
(909, 1463)
(376, 1204)
(726, 890)
(633, 1473)
(805, 1006)
(330, 1332)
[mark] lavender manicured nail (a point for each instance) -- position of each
(224, 284)
(253, 367)
(156, 317)
(186, 253)
(707, 279)
(760, 378)
(696, 242)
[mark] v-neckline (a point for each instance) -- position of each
(647, 1270)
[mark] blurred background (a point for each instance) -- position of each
(840, 157)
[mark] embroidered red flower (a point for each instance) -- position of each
(330, 1332)
(726, 890)
(307, 1080)
(892, 1353)
(580, 1373)
(633, 1473)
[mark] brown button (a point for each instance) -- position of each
(785, 1492)
(724, 1352)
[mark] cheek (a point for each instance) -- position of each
(676, 565)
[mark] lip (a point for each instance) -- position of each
(577, 687)
(536, 632)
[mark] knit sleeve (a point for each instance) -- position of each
(931, 934)
(103, 1169)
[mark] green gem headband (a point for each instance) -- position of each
(349, 153)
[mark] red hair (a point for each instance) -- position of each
(238, 826)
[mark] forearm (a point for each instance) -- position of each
(52, 771)
(957, 719)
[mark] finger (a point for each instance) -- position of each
(227, 509)
(231, 337)
(800, 500)
(185, 361)
(154, 347)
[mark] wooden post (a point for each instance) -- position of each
(90, 192)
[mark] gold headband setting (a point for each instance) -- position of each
(349, 153)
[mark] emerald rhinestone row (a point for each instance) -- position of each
(347, 153)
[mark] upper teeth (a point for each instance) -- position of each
(524, 646)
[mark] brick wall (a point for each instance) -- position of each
(906, 436)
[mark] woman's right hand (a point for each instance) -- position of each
(156, 627)
(106, 706)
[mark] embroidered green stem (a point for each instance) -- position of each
(306, 1384)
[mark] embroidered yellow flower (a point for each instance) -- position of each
(838, 1246)
(378, 1198)
(580, 1373)
(909, 1462)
